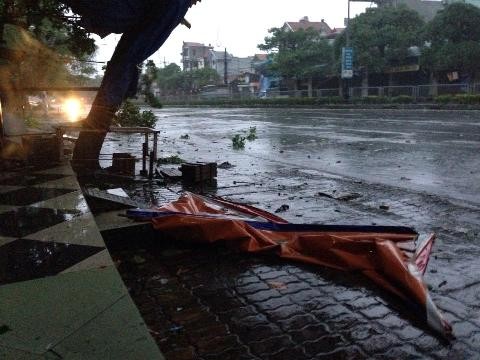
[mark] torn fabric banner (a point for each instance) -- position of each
(393, 257)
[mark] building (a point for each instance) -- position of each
(198, 56)
(321, 26)
(195, 56)
(236, 66)
(304, 24)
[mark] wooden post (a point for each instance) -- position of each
(150, 172)
(155, 145)
(146, 142)
(59, 139)
(144, 160)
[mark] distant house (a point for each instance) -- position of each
(236, 66)
(304, 24)
(321, 26)
(195, 56)
(198, 56)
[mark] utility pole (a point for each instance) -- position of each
(348, 25)
(225, 68)
(347, 59)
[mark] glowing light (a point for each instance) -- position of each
(73, 108)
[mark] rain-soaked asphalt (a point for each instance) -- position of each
(414, 168)
(432, 151)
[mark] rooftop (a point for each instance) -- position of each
(304, 24)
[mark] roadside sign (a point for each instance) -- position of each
(347, 63)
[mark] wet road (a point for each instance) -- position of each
(432, 151)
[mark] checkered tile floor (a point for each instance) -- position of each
(42, 225)
(60, 293)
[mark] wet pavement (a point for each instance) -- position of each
(414, 168)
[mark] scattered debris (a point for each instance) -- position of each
(442, 284)
(4, 329)
(182, 271)
(340, 196)
(185, 137)
(173, 159)
(176, 328)
(199, 172)
(276, 285)
(252, 134)
(282, 208)
(113, 198)
(226, 165)
(238, 142)
(137, 259)
(171, 174)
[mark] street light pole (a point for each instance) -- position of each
(348, 24)
(346, 85)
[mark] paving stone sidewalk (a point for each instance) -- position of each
(209, 303)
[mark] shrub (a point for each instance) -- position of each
(153, 101)
(443, 99)
(130, 115)
(336, 100)
(467, 99)
(402, 99)
(374, 100)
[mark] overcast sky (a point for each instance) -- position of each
(239, 25)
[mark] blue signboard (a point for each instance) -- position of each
(347, 63)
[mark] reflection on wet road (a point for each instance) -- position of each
(432, 151)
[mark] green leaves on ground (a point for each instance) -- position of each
(171, 160)
(239, 141)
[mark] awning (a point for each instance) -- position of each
(393, 257)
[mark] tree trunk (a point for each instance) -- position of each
(365, 83)
(310, 87)
(295, 87)
(433, 82)
(89, 144)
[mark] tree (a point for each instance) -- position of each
(172, 80)
(41, 46)
(299, 55)
(452, 41)
(381, 37)
(147, 80)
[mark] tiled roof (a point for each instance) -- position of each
(305, 24)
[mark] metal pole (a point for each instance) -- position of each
(348, 24)
(346, 86)
(225, 65)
